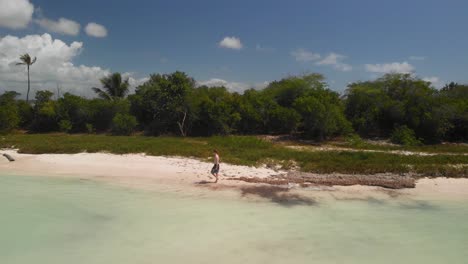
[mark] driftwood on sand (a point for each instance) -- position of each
(391, 181)
(9, 157)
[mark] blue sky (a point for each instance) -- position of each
(344, 40)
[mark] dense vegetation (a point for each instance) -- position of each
(410, 108)
(397, 106)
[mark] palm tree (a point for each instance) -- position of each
(26, 60)
(113, 87)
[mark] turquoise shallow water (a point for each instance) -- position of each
(55, 220)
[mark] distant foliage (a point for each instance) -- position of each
(398, 106)
(404, 136)
(376, 108)
(65, 126)
(454, 98)
(9, 112)
(213, 111)
(45, 113)
(26, 113)
(162, 104)
(90, 128)
(123, 124)
(114, 87)
(354, 140)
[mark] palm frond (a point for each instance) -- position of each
(102, 93)
(26, 60)
(123, 87)
(114, 87)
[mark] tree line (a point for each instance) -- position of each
(398, 106)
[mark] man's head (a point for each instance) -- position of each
(215, 151)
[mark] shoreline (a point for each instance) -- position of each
(178, 173)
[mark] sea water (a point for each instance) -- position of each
(57, 220)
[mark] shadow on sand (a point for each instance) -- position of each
(279, 195)
(205, 182)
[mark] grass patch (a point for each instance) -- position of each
(439, 148)
(244, 150)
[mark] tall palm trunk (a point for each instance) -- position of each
(26, 60)
(29, 86)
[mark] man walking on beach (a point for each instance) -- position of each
(215, 169)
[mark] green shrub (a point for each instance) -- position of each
(9, 116)
(26, 114)
(89, 128)
(404, 136)
(354, 140)
(123, 124)
(65, 126)
(45, 116)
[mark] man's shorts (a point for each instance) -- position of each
(215, 169)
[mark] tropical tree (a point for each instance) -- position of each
(113, 87)
(162, 103)
(377, 108)
(28, 61)
(45, 113)
(213, 111)
(9, 114)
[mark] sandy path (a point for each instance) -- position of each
(396, 152)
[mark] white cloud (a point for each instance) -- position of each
(96, 30)
(418, 58)
(403, 67)
(435, 81)
(54, 66)
(134, 82)
(304, 55)
(231, 43)
(232, 86)
(62, 26)
(15, 14)
(334, 59)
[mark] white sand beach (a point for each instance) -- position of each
(140, 170)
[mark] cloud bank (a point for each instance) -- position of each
(332, 59)
(15, 14)
(232, 86)
(62, 26)
(435, 81)
(335, 60)
(397, 67)
(54, 66)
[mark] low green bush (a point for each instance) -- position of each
(90, 128)
(404, 136)
(9, 117)
(354, 140)
(65, 126)
(123, 124)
